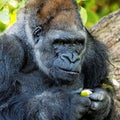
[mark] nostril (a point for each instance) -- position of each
(71, 57)
(65, 57)
(75, 57)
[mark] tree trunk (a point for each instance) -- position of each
(108, 31)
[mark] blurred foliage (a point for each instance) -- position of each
(96, 9)
(91, 10)
(8, 11)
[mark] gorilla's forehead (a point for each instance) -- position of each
(59, 34)
(57, 13)
(55, 6)
(50, 4)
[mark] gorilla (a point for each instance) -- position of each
(46, 59)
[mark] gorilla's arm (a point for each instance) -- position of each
(11, 60)
(11, 57)
(57, 104)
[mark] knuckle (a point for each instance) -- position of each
(95, 105)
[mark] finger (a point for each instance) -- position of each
(97, 96)
(84, 101)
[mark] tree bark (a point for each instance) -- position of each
(107, 30)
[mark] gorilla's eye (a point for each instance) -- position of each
(69, 41)
(79, 41)
(37, 31)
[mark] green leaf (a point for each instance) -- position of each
(22, 3)
(78, 1)
(92, 18)
(107, 86)
(2, 3)
(2, 27)
(4, 16)
(83, 14)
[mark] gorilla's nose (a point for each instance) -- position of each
(71, 62)
(70, 57)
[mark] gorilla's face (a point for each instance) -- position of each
(59, 42)
(60, 53)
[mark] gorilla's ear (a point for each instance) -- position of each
(95, 66)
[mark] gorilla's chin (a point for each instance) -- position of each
(65, 76)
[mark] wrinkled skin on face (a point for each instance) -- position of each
(61, 58)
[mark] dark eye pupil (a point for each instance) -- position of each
(37, 31)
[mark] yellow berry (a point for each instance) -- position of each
(85, 93)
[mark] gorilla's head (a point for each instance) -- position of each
(58, 38)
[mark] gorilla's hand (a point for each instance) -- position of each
(79, 107)
(57, 105)
(100, 104)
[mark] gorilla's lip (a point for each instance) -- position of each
(69, 71)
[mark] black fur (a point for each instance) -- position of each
(46, 60)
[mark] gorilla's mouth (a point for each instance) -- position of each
(69, 71)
